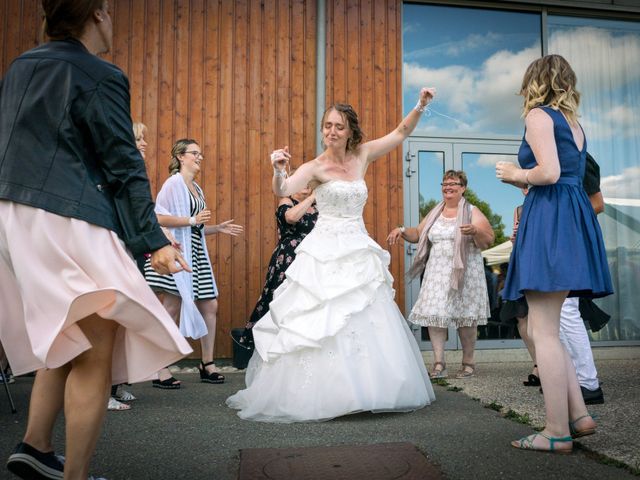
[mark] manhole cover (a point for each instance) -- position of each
(385, 461)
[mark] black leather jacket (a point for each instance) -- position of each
(67, 144)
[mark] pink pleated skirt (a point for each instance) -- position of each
(55, 271)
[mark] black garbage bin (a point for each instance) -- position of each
(241, 354)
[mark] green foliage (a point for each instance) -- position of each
(440, 381)
(426, 206)
(525, 419)
(494, 219)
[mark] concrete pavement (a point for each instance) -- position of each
(190, 433)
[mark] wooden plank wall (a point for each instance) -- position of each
(239, 76)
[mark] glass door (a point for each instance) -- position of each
(497, 201)
(425, 162)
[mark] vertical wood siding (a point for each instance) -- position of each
(239, 77)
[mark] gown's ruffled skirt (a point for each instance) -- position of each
(334, 342)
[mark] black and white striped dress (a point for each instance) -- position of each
(204, 286)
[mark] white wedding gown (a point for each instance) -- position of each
(334, 342)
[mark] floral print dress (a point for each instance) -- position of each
(290, 237)
(437, 304)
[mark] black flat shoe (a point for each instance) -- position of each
(533, 380)
(592, 397)
(168, 384)
(206, 377)
(28, 462)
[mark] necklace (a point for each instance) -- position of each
(450, 212)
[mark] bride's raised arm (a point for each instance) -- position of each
(383, 145)
(284, 186)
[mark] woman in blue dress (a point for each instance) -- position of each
(559, 250)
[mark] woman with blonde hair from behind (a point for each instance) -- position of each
(559, 250)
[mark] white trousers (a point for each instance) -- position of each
(573, 334)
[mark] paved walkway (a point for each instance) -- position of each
(190, 434)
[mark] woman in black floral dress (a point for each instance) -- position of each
(296, 217)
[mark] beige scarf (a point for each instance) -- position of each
(461, 244)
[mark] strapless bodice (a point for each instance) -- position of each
(341, 198)
(340, 204)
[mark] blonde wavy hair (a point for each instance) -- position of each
(139, 129)
(551, 81)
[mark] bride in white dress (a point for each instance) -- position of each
(334, 342)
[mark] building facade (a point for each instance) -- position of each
(246, 76)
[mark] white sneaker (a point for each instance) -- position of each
(115, 405)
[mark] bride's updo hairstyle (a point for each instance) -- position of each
(350, 117)
(551, 81)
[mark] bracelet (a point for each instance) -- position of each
(279, 173)
(419, 107)
(192, 221)
(402, 229)
(526, 176)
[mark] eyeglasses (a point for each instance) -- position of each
(457, 184)
(196, 154)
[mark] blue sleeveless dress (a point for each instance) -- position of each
(559, 242)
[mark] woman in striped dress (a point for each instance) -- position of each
(191, 297)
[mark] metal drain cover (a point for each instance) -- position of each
(384, 461)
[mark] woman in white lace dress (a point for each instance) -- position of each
(334, 342)
(454, 289)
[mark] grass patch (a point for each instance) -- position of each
(440, 381)
(525, 419)
(495, 406)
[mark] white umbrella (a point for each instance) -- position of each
(498, 254)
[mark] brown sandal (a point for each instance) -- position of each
(464, 373)
(575, 433)
(439, 372)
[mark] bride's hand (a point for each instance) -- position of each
(426, 96)
(280, 158)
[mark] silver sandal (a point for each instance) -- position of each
(439, 373)
(463, 373)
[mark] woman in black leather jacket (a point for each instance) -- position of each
(74, 194)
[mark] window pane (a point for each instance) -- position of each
(476, 59)
(430, 171)
(502, 199)
(604, 55)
